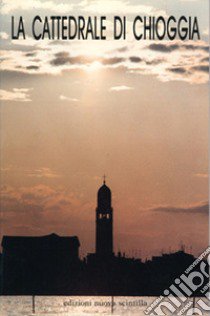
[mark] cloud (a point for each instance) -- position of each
(135, 59)
(202, 68)
(64, 58)
(40, 197)
(206, 32)
(178, 70)
(112, 60)
(13, 203)
(9, 6)
(116, 6)
(92, 7)
(122, 49)
(205, 60)
(179, 61)
(200, 209)
(167, 61)
(30, 54)
(32, 67)
(42, 173)
(164, 48)
(64, 98)
(61, 58)
(168, 47)
(196, 47)
(202, 175)
(155, 61)
(121, 88)
(16, 95)
(4, 36)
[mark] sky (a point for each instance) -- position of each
(136, 111)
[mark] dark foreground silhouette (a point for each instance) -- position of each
(50, 265)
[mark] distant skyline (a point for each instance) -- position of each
(135, 111)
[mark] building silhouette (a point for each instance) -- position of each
(43, 265)
(104, 222)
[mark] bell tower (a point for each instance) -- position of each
(104, 222)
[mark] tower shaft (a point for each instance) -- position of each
(104, 222)
(104, 233)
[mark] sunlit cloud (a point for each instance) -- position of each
(167, 61)
(17, 95)
(202, 175)
(115, 6)
(9, 6)
(42, 173)
(65, 98)
(4, 36)
(121, 88)
(206, 32)
(39, 173)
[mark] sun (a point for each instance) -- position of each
(95, 66)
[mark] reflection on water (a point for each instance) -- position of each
(72, 305)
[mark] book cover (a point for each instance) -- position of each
(104, 157)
